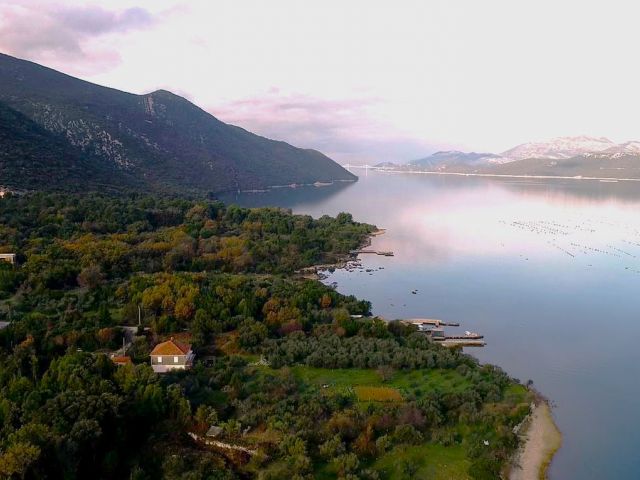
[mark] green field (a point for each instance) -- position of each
(377, 394)
(433, 462)
(414, 382)
(412, 462)
(517, 394)
(421, 462)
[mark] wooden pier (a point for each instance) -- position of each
(437, 334)
(473, 336)
(429, 321)
(462, 343)
(376, 252)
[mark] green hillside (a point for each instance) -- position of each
(159, 141)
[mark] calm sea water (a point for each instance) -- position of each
(548, 271)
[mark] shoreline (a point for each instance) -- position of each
(503, 175)
(541, 439)
(316, 272)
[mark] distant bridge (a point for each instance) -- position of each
(348, 165)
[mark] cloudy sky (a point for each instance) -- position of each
(363, 81)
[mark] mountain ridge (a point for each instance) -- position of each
(443, 160)
(158, 141)
(560, 156)
(559, 147)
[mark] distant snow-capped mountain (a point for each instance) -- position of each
(562, 156)
(564, 147)
(626, 148)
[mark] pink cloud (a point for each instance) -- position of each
(346, 130)
(58, 34)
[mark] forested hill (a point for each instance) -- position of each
(156, 142)
(300, 382)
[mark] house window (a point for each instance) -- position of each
(159, 359)
(175, 359)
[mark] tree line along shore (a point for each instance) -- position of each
(290, 378)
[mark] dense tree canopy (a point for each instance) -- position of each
(301, 380)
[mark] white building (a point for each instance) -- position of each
(171, 355)
(8, 257)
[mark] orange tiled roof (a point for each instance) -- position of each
(121, 360)
(171, 347)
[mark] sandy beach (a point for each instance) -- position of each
(541, 440)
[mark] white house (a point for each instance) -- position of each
(171, 355)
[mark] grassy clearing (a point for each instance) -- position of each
(423, 381)
(423, 462)
(377, 394)
(338, 377)
(516, 394)
(414, 382)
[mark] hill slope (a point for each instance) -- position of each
(441, 161)
(561, 157)
(560, 147)
(159, 141)
(29, 153)
(588, 165)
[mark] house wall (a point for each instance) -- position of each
(8, 257)
(167, 368)
(168, 362)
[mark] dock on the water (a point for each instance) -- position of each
(434, 329)
(376, 252)
(462, 342)
(470, 336)
(429, 321)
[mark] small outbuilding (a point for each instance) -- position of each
(121, 360)
(8, 257)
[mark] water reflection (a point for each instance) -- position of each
(286, 197)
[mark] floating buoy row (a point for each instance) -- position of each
(583, 228)
(621, 251)
(597, 250)
(562, 249)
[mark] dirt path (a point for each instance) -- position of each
(541, 441)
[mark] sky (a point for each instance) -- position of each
(362, 81)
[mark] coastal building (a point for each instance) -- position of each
(121, 360)
(171, 355)
(437, 333)
(8, 257)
